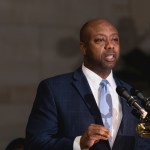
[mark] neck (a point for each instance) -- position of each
(102, 72)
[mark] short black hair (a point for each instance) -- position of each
(83, 32)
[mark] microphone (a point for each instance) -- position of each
(131, 100)
(140, 95)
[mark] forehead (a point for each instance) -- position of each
(101, 27)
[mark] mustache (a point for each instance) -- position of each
(110, 51)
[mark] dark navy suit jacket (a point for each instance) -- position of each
(63, 109)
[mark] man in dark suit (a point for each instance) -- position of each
(66, 114)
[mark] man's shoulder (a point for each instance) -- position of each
(59, 78)
(63, 78)
(58, 81)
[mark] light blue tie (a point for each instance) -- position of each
(105, 104)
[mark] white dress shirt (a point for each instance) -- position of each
(94, 82)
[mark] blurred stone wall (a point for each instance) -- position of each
(39, 39)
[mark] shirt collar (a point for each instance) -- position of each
(96, 79)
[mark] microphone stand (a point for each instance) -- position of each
(143, 127)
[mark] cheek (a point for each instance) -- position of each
(95, 51)
(99, 51)
(118, 50)
(118, 53)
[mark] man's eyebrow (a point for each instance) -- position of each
(101, 34)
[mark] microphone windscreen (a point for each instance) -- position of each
(137, 93)
(123, 92)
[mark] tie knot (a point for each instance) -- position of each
(104, 82)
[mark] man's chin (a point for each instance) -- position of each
(110, 66)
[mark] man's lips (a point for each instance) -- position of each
(110, 57)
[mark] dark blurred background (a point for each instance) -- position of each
(40, 38)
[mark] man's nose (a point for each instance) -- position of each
(109, 45)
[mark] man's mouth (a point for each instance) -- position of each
(110, 57)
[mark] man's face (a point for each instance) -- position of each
(101, 46)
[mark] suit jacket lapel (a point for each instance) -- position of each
(126, 110)
(82, 86)
(123, 105)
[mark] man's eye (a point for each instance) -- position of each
(99, 40)
(115, 39)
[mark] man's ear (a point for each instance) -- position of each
(83, 48)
